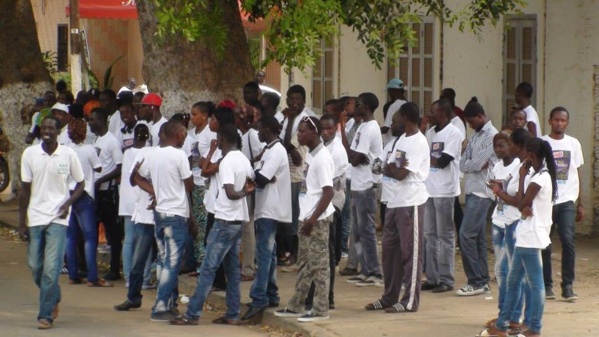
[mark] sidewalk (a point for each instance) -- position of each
(440, 314)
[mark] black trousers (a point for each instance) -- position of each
(107, 210)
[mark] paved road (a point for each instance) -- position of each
(85, 311)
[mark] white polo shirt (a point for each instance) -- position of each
(168, 167)
(49, 178)
(234, 169)
(88, 157)
(274, 200)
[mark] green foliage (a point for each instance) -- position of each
(50, 61)
(296, 26)
(108, 78)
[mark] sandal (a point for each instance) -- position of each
(182, 320)
(396, 308)
(491, 323)
(376, 305)
(246, 278)
(193, 274)
(100, 284)
(225, 320)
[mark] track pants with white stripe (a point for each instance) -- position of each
(403, 255)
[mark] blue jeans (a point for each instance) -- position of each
(83, 220)
(472, 240)
(363, 208)
(223, 247)
(346, 218)
(526, 265)
(264, 289)
(564, 216)
(45, 253)
(171, 236)
(142, 239)
(129, 251)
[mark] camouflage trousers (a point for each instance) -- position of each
(313, 263)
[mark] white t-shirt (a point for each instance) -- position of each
(49, 178)
(505, 214)
(457, 122)
(188, 145)
(393, 108)
(348, 127)
(250, 140)
(319, 172)
(63, 136)
(533, 232)
(532, 116)
(444, 182)
(88, 157)
(115, 123)
(274, 200)
(389, 187)
(109, 152)
(234, 169)
(413, 191)
(141, 213)
(199, 149)
(125, 138)
(567, 153)
(167, 167)
(155, 131)
(210, 196)
(367, 141)
(296, 122)
(339, 155)
(127, 195)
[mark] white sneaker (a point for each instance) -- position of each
(469, 290)
(371, 281)
(312, 317)
(356, 279)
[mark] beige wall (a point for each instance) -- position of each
(46, 20)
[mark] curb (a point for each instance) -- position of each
(217, 299)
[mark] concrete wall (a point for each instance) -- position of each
(46, 20)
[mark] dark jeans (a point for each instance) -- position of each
(83, 221)
(143, 240)
(220, 280)
(458, 216)
(564, 216)
(107, 208)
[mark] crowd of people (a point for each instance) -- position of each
(249, 187)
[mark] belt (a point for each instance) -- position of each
(236, 222)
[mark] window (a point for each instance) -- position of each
(519, 58)
(322, 77)
(62, 48)
(415, 66)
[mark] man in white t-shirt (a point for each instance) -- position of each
(125, 134)
(523, 98)
(273, 207)
(235, 182)
(365, 148)
(107, 195)
(409, 164)
(316, 212)
(61, 112)
(107, 100)
(44, 207)
(151, 103)
(166, 176)
(567, 153)
(395, 90)
(443, 185)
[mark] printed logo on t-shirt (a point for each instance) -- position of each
(62, 168)
(357, 138)
(562, 165)
(127, 143)
(400, 157)
(195, 157)
(436, 151)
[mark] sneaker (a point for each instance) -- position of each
(441, 288)
(164, 316)
(469, 290)
(348, 272)
(112, 276)
(356, 279)
(148, 286)
(568, 293)
(344, 255)
(370, 281)
(487, 288)
(428, 286)
(549, 294)
(287, 313)
(312, 317)
(127, 305)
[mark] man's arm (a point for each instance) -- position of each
(580, 213)
(479, 159)
(441, 162)
(323, 203)
(188, 184)
(248, 188)
(112, 175)
(398, 173)
(63, 211)
(24, 197)
(532, 128)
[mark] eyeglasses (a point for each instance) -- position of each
(307, 119)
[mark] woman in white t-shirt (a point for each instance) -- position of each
(83, 215)
(536, 194)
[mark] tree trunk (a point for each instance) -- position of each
(23, 77)
(186, 72)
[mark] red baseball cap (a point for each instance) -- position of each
(152, 99)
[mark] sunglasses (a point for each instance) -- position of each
(307, 119)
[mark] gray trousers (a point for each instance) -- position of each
(439, 238)
(362, 210)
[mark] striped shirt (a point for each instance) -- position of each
(478, 153)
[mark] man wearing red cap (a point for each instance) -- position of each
(153, 102)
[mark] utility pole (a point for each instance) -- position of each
(76, 85)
